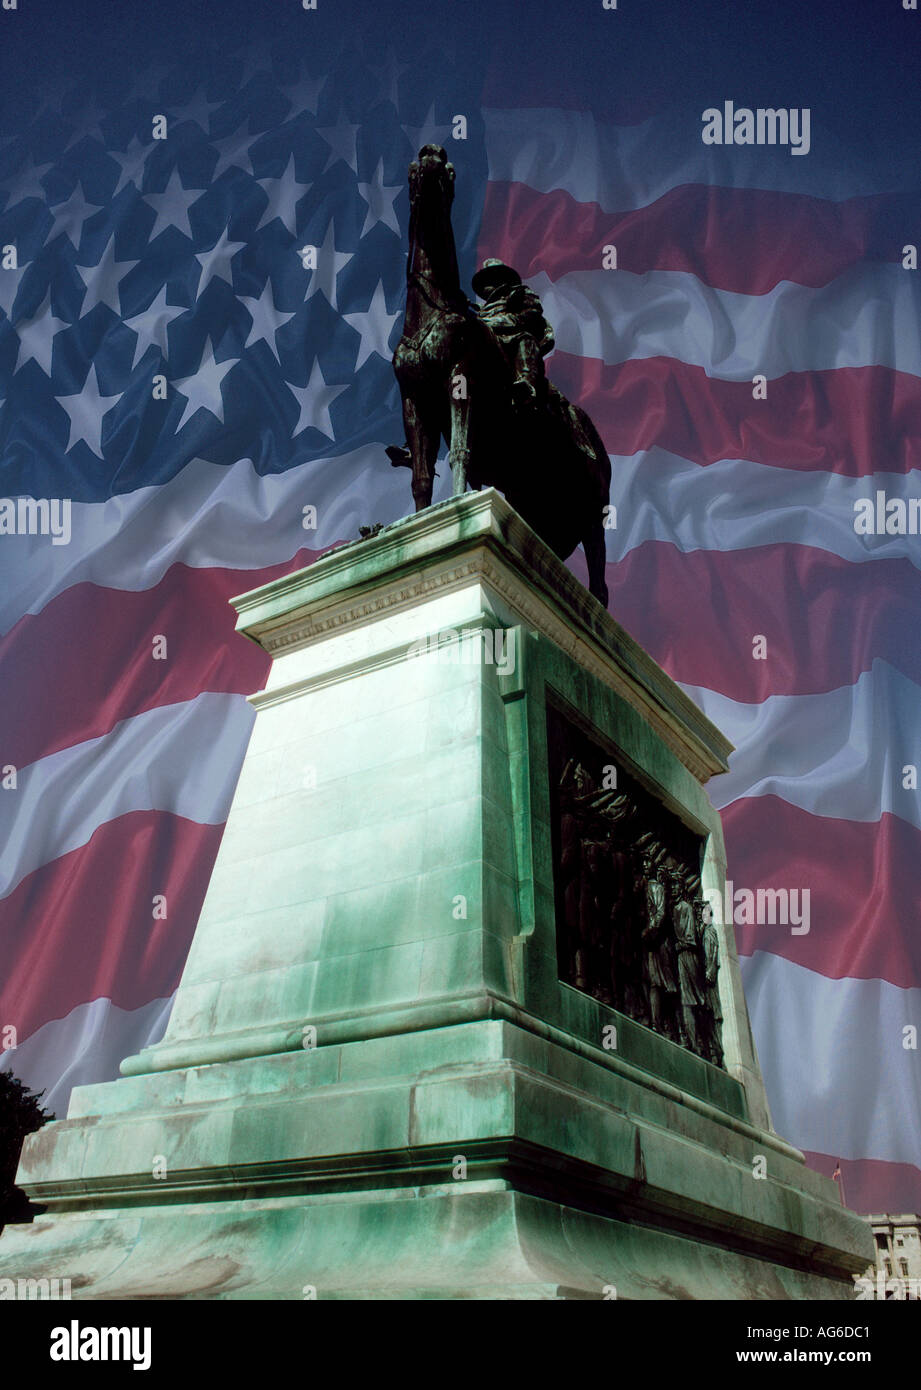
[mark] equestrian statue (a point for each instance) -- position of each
(474, 376)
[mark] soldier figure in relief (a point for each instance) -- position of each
(576, 791)
(690, 966)
(660, 969)
(712, 1012)
(585, 862)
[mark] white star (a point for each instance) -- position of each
(267, 320)
(428, 133)
(102, 279)
(172, 206)
(129, 164)
(388, 75)
(198, 109)
(215, 264)
(151, 326)
(374, 327)
(341, 140)
(314, 401)
(36, 337)
(70, 215)
(203, 388)
(27, 183)
(379, 197)
(288, 196)
(304, 92)
(230, 155)
(87, 410)
(329, 263)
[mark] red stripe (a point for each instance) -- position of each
(873, 1186)
(742, 239)
(826, 620)
(86, 661)
(852, 420)
(95, 644)
(82, 927)
(864, 881)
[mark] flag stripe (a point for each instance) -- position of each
(872, 1185)
(791, 746)
(181, 758)
(851, 420)
(83, 927)
(98, 645)
(823, 1046)
(206, 515)
(850, 616)
(731, 504)
(84, 1048)
(743, 239)
(792, 328)
(860, 876)
(735, 504)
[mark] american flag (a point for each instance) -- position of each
(171, 364)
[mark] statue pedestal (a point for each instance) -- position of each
(374, 1083)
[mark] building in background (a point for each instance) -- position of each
(898, 1250)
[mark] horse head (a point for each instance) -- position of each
(431, 175)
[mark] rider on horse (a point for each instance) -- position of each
(513, 314)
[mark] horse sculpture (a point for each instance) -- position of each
(456, 384)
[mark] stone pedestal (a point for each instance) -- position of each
(374, 1083)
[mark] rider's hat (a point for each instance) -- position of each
(492, 273)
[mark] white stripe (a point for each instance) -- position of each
(735, 505)
(838, 754)
(83, 1048)
(625, 167)
(184, 758)
(838, 1078)
(870, 316)
(230, 517)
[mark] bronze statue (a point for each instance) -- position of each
(476, 379)
(512, 312)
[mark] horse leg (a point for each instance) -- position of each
(593, 545)
(460, 430)
(422, 438)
